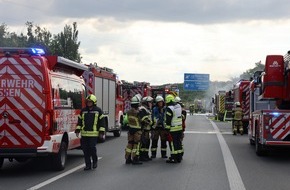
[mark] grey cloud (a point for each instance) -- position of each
(191, 11)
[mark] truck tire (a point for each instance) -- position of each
(1, 162)
(252, 142)
(117, 133)
(59, 159)
(260, 151)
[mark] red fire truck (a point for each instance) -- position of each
(241, 92)
(270, 106)
(40, 99)
(104, 84)
(131, 89)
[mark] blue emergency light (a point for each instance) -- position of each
(37, 51)
(19, 51)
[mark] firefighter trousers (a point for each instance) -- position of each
(155, 134)
(145, 144)
(175, 146)
(88, 145)
(238, 125)
(133, 146)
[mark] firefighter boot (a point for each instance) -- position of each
(128, 160)
(171, 159)
(235, 130)
(241, 130)
(136, 161)
(163, 154)
(95, 165)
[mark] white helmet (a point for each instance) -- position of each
(238, 104)
(147, 99)
(135, 100)
(177, 99)
(159, 99)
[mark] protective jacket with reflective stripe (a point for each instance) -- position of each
(174, 118)
(134, 119)
(146, 118)
(238, 114)
(91, 121)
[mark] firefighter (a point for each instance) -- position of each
(134, 132)
(173, 123)
(183, 113)
(158, 128)
(91, 126)
(146, 123)
(191, 109)
(237, 119)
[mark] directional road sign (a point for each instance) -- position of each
(196, 82)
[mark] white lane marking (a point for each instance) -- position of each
(235, 180)
(206, 132)
(38, 186)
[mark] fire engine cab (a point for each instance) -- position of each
(270, 106)
(40, 99)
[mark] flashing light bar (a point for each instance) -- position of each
(37, 51)
(18, 51)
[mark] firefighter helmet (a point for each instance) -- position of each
(177, 99)
(159, 99)
(92, 98)
(169, 98)
(135, 100)
(238, 104)
(147, 99)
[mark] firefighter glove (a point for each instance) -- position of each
(169, 138)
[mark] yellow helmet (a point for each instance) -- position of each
(92, 98)
(169, 98)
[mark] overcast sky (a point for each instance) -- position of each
(157, 41)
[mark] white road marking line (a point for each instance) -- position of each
(235, 180)
(207, 132)
(38, 186)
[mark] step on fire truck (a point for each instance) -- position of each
(104, 84)
(40, 99)
(241, 92)
(270, 106)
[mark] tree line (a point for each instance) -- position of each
(63, 44)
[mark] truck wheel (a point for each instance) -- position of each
(252, 142)
(117, 133)
(59, 159)
(1, 162)
(259, 149)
